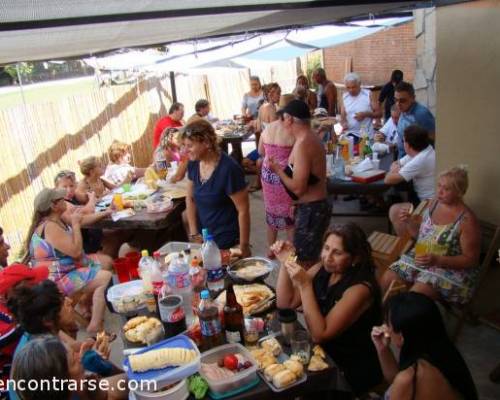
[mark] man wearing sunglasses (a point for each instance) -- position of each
(412, 113)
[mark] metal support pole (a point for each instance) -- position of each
(172, 86)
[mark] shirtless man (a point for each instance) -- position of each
(305, 181)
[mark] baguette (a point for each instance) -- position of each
(161, 358)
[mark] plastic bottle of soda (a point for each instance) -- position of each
(212, 263)
(233, 317)
(210, 324)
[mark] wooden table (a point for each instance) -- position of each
(234, 138)
(336, 186)
(143, 220)
(315, 386)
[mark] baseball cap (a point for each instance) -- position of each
(45, 199)
(297, 109)
(13, 274)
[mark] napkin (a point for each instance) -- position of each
(363, 166)
(380, 148)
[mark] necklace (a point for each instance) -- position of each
(206, 169)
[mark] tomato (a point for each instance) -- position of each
(231, 362)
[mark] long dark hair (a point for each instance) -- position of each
(42, 359)
(36, 306)
(37, 219)
(355, 243)
(418, 319)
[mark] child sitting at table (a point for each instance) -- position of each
(119, 170)
(172, 146)
(92, 182)
(92, 238)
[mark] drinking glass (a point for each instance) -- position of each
(421, 248)
(301, 346)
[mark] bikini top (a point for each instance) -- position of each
(312, 180)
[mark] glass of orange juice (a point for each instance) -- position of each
(421, 248)
(118, 202)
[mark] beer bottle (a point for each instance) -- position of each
(233, 317)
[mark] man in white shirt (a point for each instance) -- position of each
(358, 108)
(418, 166)
(389, 132)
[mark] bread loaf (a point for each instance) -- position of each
(161, 358)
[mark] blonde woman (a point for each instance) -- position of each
(92, 182)
(450, 237)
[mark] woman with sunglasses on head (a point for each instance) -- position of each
(217, 197)
(429, 366)
(58, 245)
(340, 299)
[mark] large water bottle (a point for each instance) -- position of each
(212, 263)
(179, 282)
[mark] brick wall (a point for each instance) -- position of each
(374, 57)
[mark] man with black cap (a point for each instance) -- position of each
(305, 181)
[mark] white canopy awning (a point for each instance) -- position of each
(55, 29)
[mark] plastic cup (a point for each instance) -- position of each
(121, 268)
(421, 248)
(301, 346)
(133, 264)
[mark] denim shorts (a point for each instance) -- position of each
(311, 222)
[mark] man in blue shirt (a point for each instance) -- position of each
(412, 113)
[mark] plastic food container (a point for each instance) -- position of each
(127, 297)
(176, 247)
(167, 375)
(231, 385)
(178, 392)
(158, 203)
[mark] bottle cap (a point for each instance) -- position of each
(205, 294)
(145, 253)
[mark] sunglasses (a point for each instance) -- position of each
(65, 174)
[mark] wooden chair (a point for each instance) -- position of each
(491, 242)
(388, 248)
